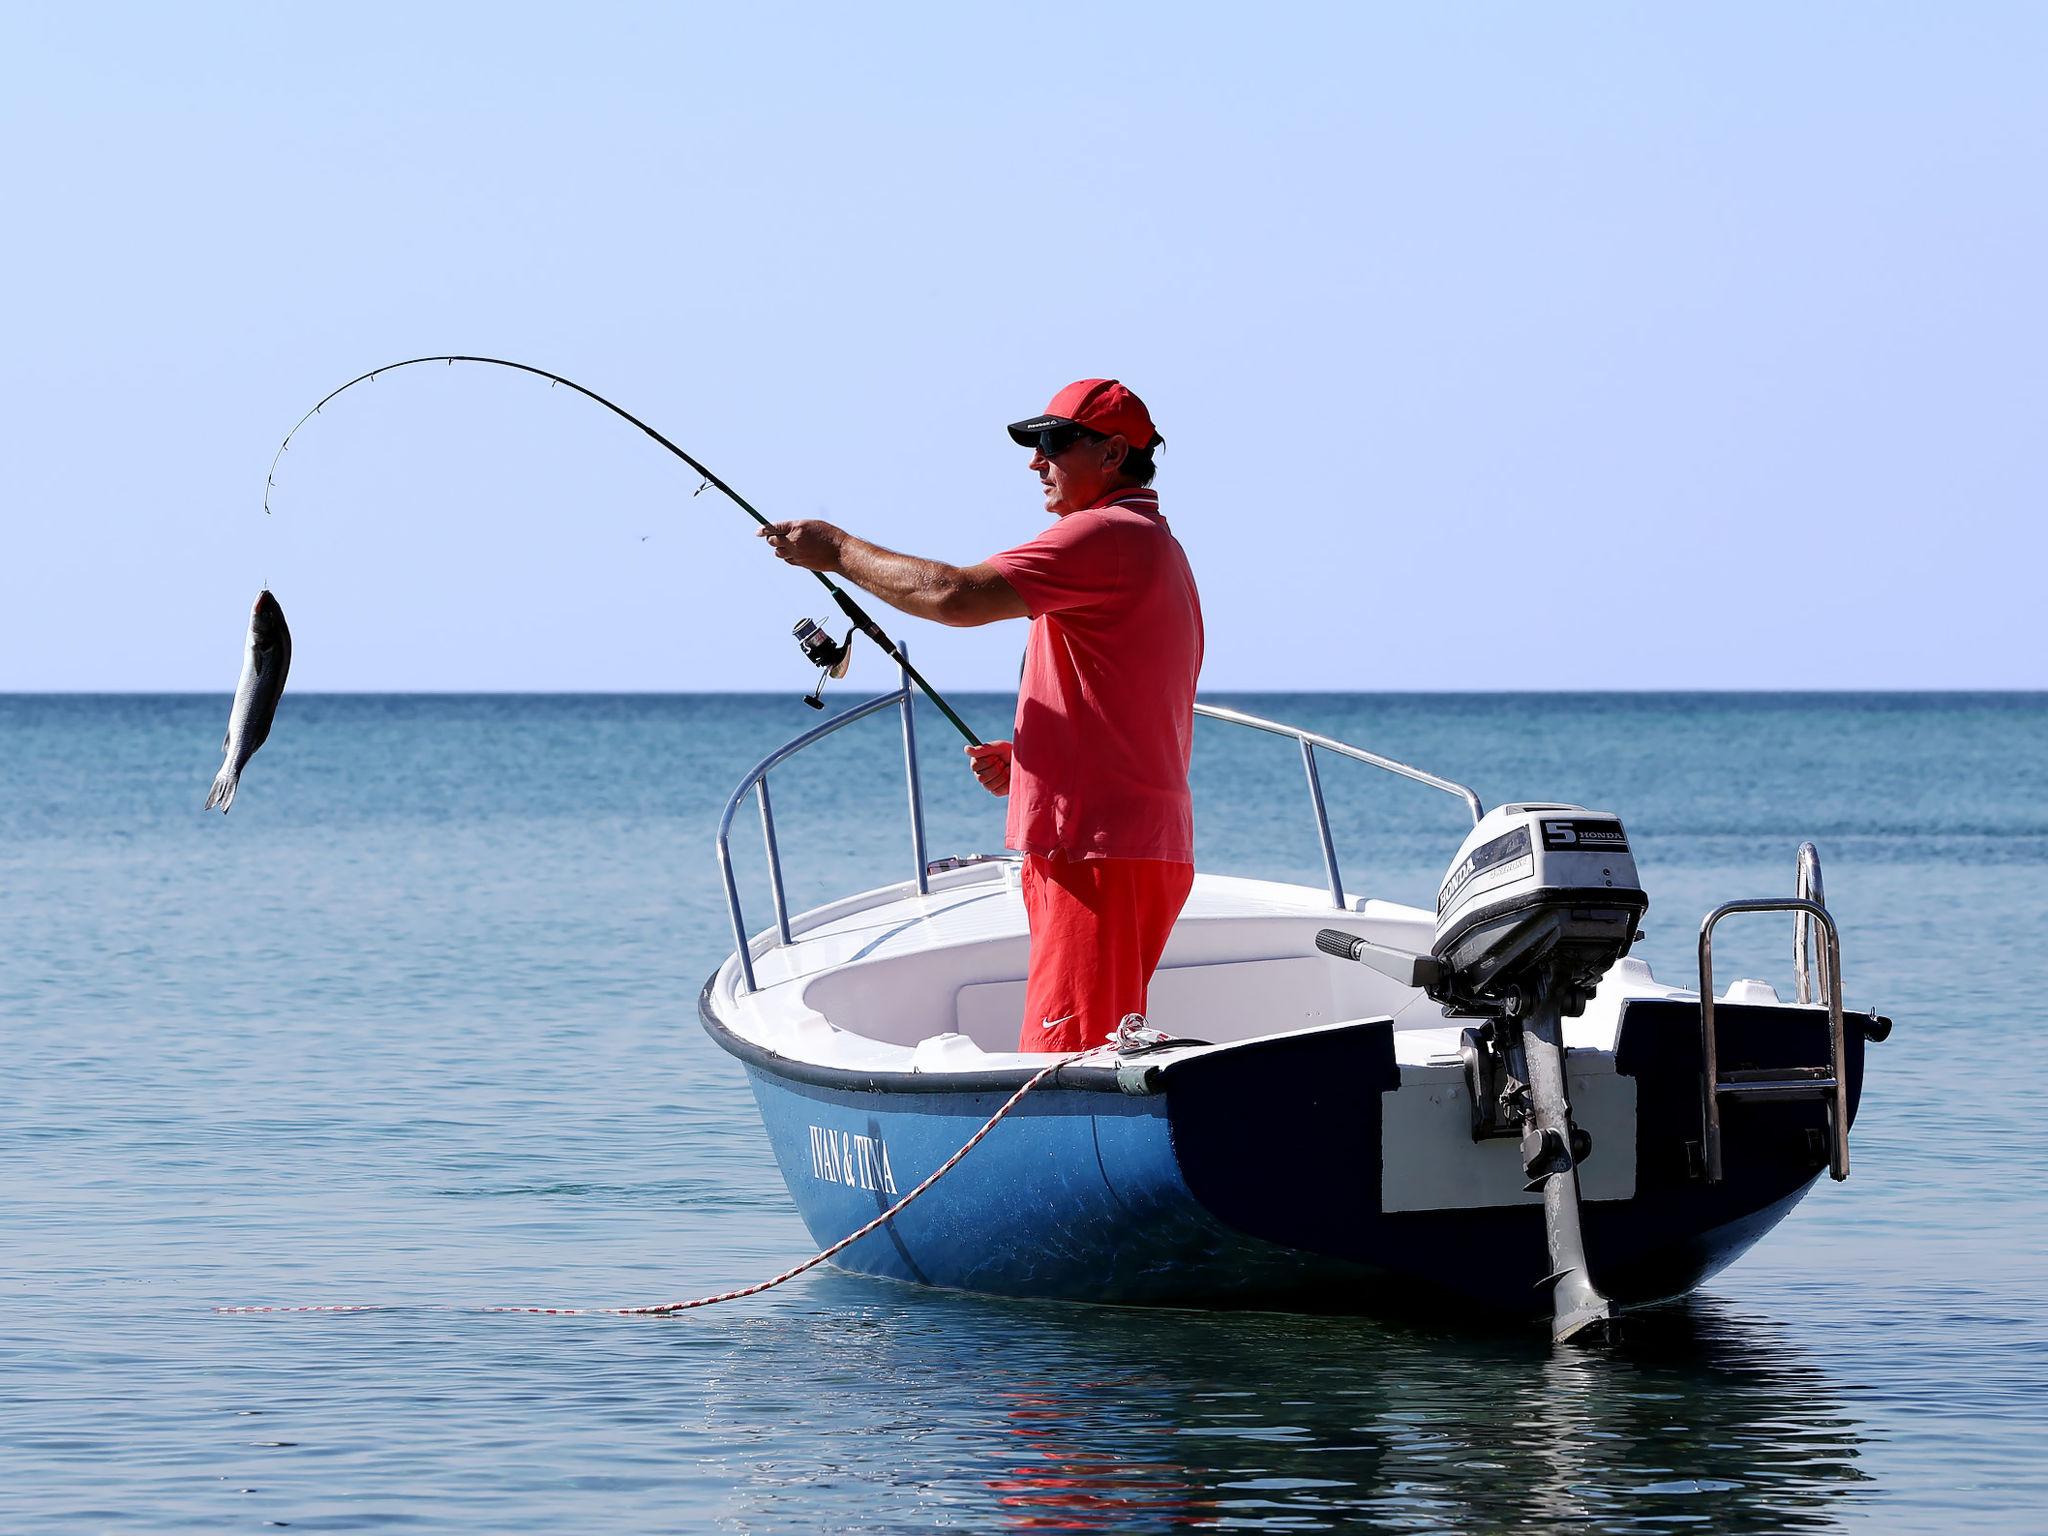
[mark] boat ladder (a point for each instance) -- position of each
(1817, 971)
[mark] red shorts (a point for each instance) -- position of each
(1098, 927)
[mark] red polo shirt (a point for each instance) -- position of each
(1105, 712)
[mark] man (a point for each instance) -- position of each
(1097, 775)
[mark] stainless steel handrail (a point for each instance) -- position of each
(1309, 741)
(757, 779)
(1835, 1086)
(903, 698)
(1808, 888)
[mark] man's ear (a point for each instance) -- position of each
(1118, 449)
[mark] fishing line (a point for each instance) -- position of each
(853, 611)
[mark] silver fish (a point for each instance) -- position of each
(265, 661)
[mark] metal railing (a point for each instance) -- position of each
(757, 780)
(1811, 976)
(1309, 741)
(902, 699)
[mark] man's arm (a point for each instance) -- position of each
(926, 589)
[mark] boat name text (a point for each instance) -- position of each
(859, 1162)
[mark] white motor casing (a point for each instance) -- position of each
(1536, 885)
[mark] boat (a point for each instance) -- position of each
(1336, 1102)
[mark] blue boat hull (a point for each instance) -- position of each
(1251, 1176)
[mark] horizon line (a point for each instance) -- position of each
(767, 693)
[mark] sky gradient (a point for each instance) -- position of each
(1494, 346)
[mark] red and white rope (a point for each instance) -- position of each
(669, 1308)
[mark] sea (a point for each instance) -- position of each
(415, 1028)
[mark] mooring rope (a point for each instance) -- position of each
(669, 1308)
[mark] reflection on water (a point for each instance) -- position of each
(1061, 1482)
(1077, 1418)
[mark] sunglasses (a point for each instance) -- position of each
(1054, 441)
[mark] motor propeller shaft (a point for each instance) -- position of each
(1578, 1308)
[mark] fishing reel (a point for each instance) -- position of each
(829, 656)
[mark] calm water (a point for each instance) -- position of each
(416, 1025)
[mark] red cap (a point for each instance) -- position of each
(1099, 405)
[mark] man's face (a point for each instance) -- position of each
(1078, 475)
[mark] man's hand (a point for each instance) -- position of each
(811, 546)
(991, 764)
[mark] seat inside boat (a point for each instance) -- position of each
(1222, 979)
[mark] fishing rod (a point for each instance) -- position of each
(816, 644)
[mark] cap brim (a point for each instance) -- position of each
(1025, 433)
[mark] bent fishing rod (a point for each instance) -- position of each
(816, 645)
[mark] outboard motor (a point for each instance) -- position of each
(1538, 894)
(1538, 905)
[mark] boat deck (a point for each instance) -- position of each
(892, 979)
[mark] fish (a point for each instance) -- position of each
(266, 659)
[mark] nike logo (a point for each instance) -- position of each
(1056, 1023)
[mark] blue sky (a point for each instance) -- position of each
(1495, 346)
